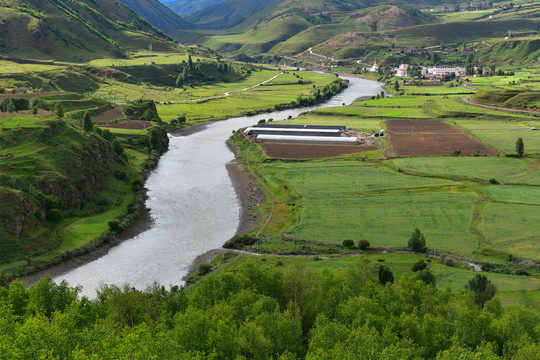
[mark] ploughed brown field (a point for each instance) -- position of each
(132, 125)
(310, 151)
(416, 138)
(110, 115)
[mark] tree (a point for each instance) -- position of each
(153, 139)
(10, 108)
(59, 110)
(180, 81)
(385, 275)
(35, 110)
(87, 122)
(363, 244)
(520, 148)
(426, 276)
(190, 63)
(482, 288)
(417, 242)
(419, 266)
(396, 85)
(117, 147)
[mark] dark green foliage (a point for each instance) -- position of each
(59, 109)
(54, 216)
(426, 276)
(385, 275)
(348, 243)
(205, 268)
(363, 244)
(417, 242)
(117, 147)
(482, 288)
(87, 122)
(141, 109)
(419, 265)
(35, 110)
(262, 312)
(153, 139)
(107, 135)
(114, 226)
(240, 242)
(10, 107)
(396, 85)
(520, 148)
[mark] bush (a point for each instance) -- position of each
(239, 242)
(348, 243)
(363, 244)
(419, 266)
(54, 216)
(205, 268)
(114, 225)
(426, 276)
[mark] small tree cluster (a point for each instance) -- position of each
(417, 242)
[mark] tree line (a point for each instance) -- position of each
(255, 310)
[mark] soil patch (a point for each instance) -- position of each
(310, 151)
(132, 125)
(420, 138)
(110, 115)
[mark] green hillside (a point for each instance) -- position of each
(158, 14)
(356, 44)
(73, 30)
(187, 7)
(295, 30)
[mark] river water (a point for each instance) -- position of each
(193, 205)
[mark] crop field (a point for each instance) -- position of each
(486, 82)
(514, 194)
(142, 58)
(502, 135)
(502, 169)
(376, 112)
(419, 90)
(24, 121)
(10, 67)
(412, 138)
(349, 200)
(513, 228)
(110, 115)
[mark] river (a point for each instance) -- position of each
(192, 203)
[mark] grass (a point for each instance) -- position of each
(351, 200)
(502, 169)
(502, 135)
(512, 228)
(24, 121)
(10, 67)
(514, 194)
(435, 90)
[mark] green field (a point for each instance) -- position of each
(350, 200)
(512, 228)
(502, 135)
(502, 169)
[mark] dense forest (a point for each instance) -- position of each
(263, 312)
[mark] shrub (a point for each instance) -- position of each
(426, 276)
(419, 266)
(239, 242)
(348, 243)
(205, 268)
(417, 242)
(363, 244)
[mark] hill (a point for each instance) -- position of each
(356, 44)
(297, 30)
(187, 7)
(227, 14)
(158, 14)
(75, 31)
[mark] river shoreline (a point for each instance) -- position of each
(247, 194)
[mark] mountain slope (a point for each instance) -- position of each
(297, 30)
(158, 14)
(227, 14)
(187, 7)
(72, 30)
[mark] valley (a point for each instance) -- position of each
(383, 203)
